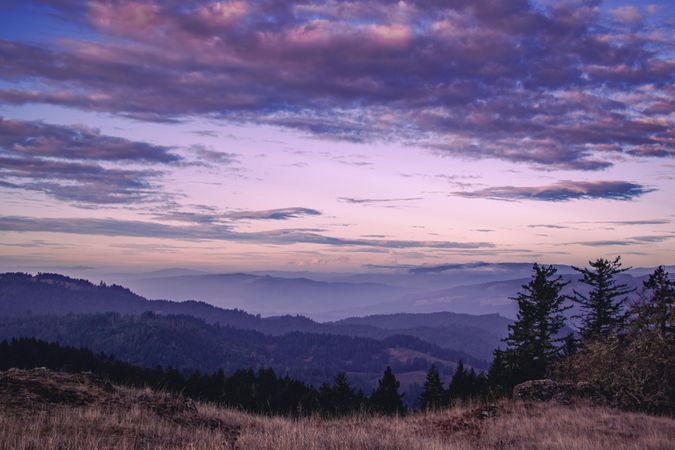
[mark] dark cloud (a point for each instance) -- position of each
(653, 238)
(562, 191)
(80, 182)
(38, 139)
(639, 222)
(74, 163)
(607, 243)
(635, 240)
(561, 86)
(224, 217)
(387, 267)
(130, 228)
(275, 214)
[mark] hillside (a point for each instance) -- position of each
(187, 343)
(40, 409)
(22, 294)
(478, 335)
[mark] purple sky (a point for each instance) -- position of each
(330, 135)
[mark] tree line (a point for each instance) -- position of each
(259, 391)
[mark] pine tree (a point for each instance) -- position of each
(343, 395)
(532, 343)
(602, 309)
(458, 384)
(386, 399)
(433, 395)
(569, 346)
(340, 399)
(499, 376)
(656, 308)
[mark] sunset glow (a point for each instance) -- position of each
(335, 135)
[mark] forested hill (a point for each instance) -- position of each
(53, 294)
(188, 343)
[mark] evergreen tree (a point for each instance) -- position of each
(569, 346)
(339, 399)
(479, 385)
(531, 342)
(386, 399)
(656, 308)
(602, 309)
(498, 375)
(458, 384)
(433, 395)
(466, 384)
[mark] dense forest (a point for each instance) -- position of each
(261, 391)
(22, 294)
(187, 343)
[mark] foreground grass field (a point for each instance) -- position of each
(52, 411)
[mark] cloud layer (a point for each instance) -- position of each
(131, 228)
(562, 191)
(213, 217)
(38, 139)
(74, 163)
(560, 87)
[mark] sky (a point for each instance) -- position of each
(335, 135)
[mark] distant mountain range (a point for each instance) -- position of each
(22, 294)
(428, 318)
(196, 335)
(478, 288)
(267, 294)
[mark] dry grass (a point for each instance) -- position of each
(120, 418)
(517, 426)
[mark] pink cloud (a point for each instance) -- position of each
(518, 83)
(628, 14)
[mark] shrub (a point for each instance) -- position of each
(632, 371)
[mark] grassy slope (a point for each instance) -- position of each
(85, 415)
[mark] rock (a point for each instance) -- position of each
(487, 412)
(544, 390)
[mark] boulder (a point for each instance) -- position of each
(546, 390)
(543, 391)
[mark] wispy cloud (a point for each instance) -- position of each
(113, 227)
(607, 243)
(551, 226)
(635, 240)
(71, 163)
(205, 155)
(229, 216)
(39, 139)
(562, 191)
(80, 183)
(370, 201)
(639, 222)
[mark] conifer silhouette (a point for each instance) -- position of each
(602, 309)
(433, 395)
(386, 398)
